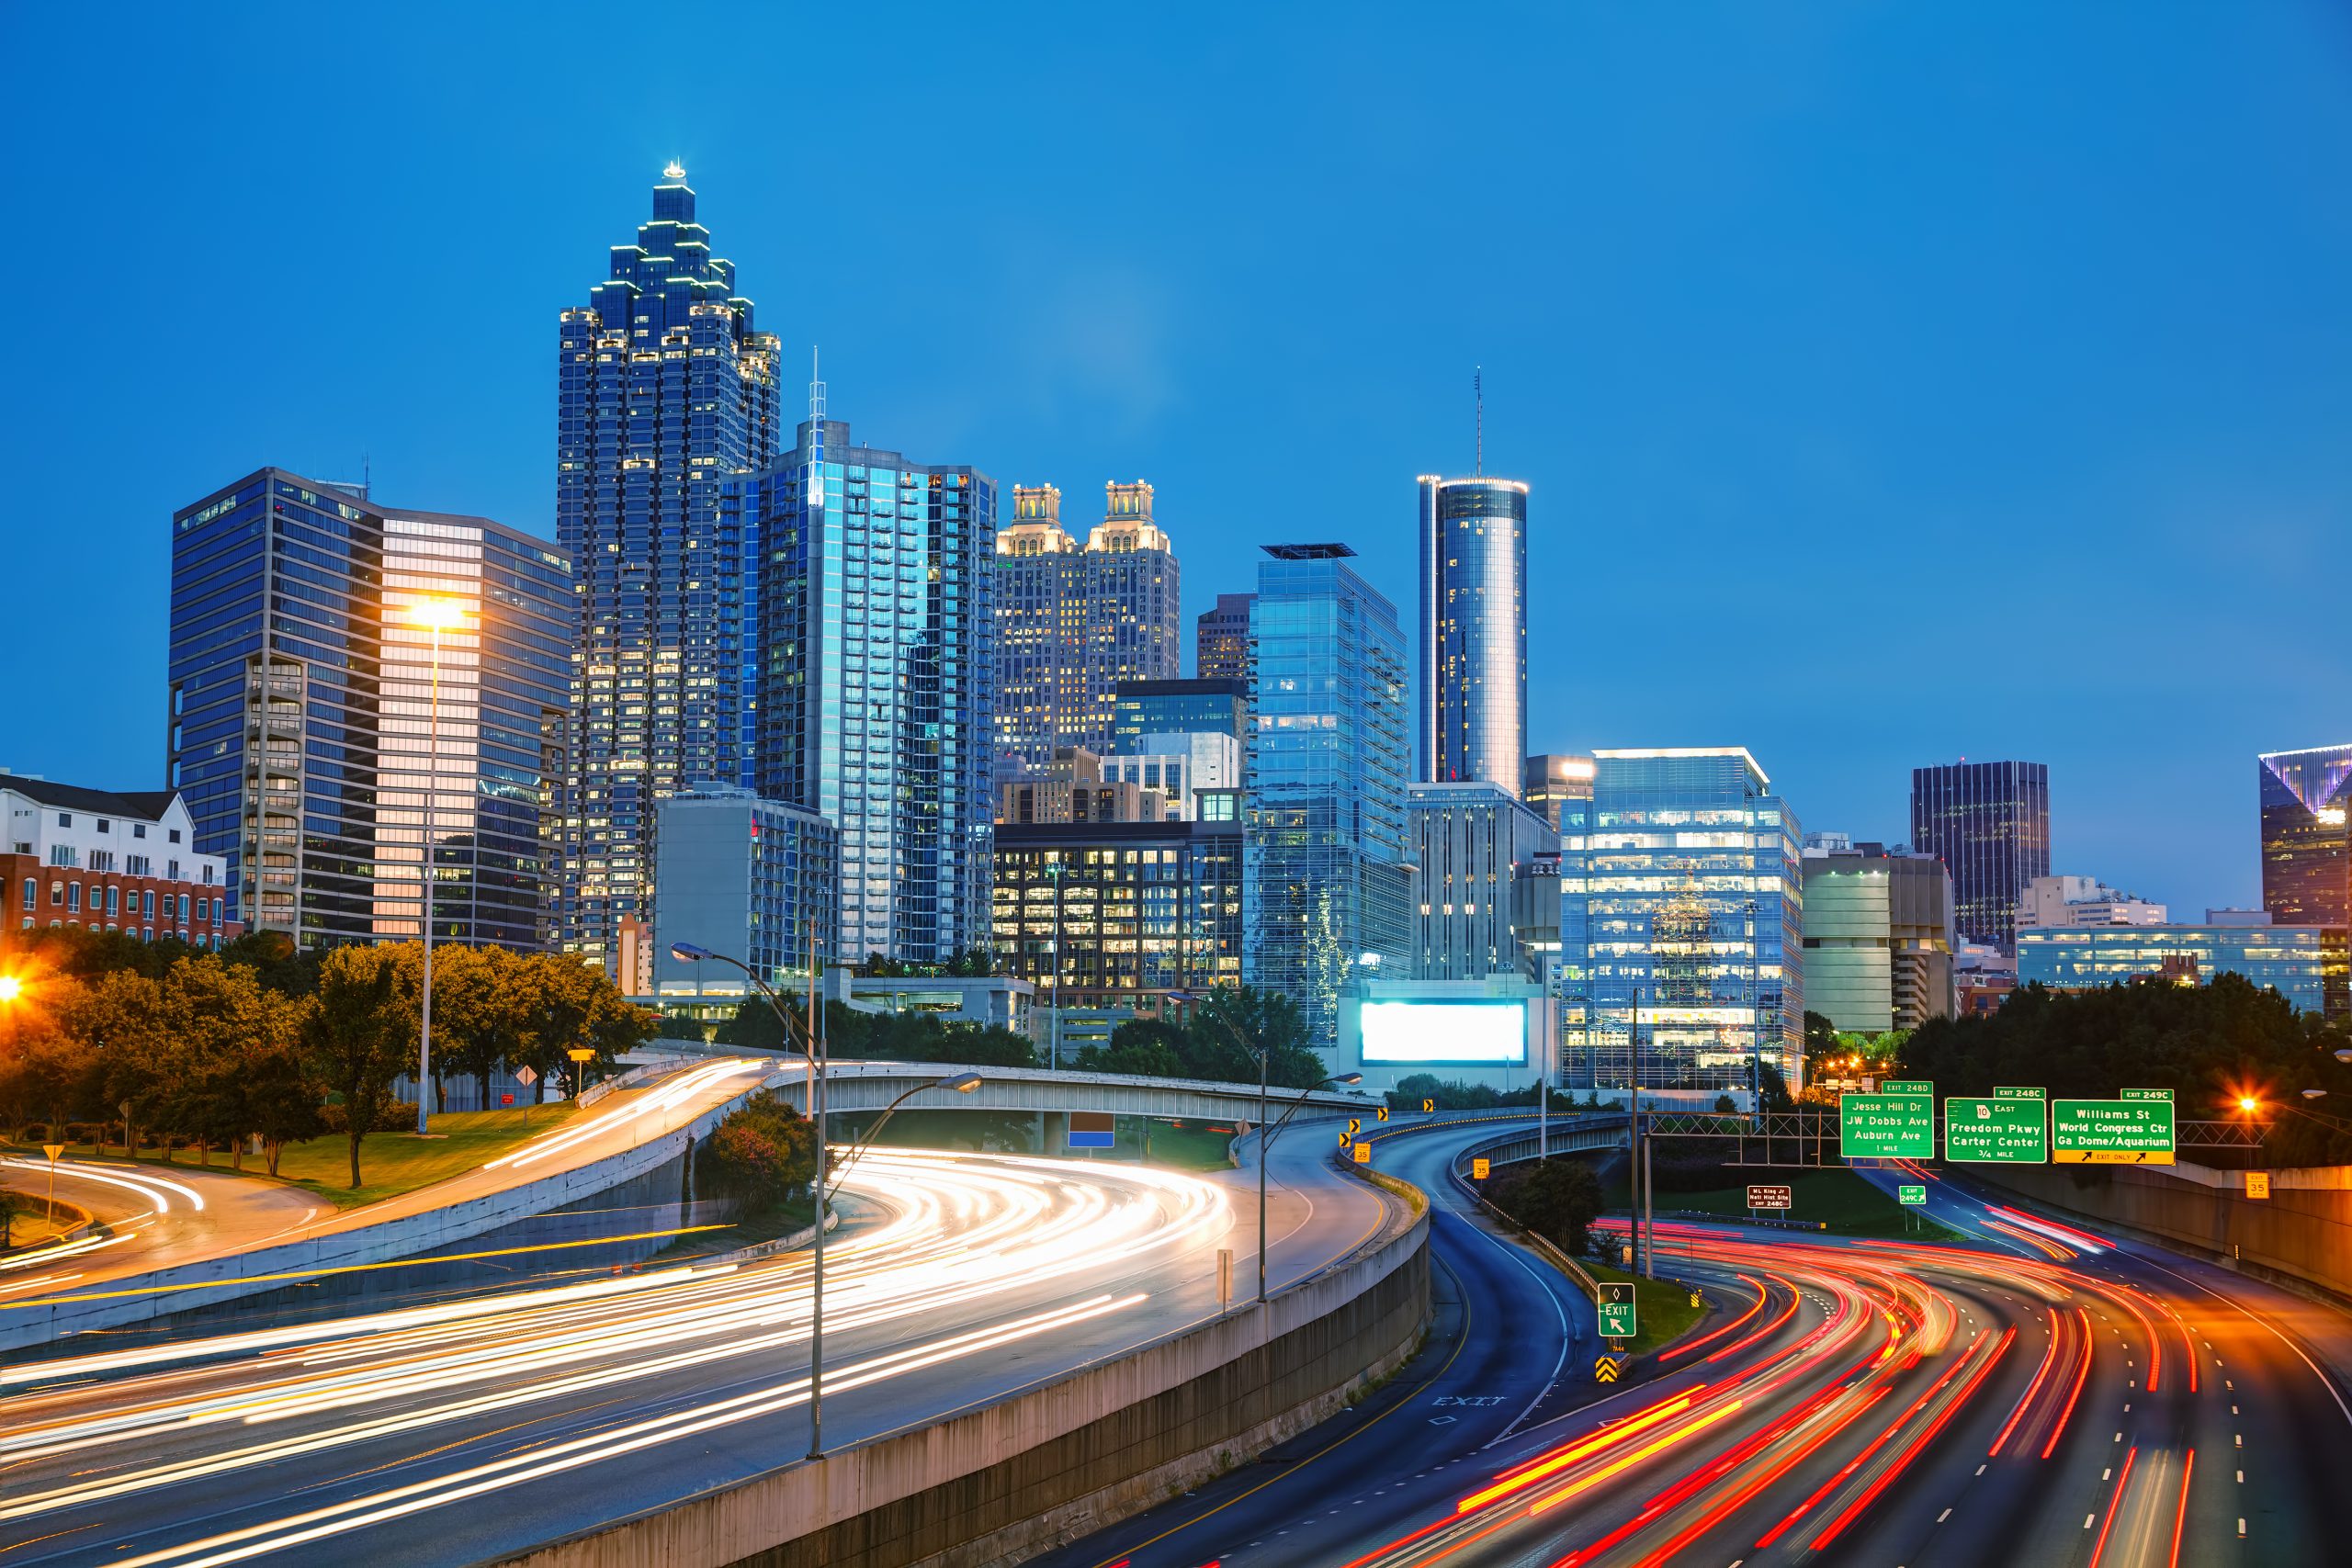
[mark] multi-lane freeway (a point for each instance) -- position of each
(469, 1428)
(2026, 1392)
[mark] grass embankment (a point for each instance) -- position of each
(1844, 1202)
(1661, 1307)
(394, 1163)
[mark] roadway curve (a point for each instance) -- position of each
(2033, 1397)
(479, 1427)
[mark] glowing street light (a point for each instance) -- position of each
(441, 613)
(10, 987)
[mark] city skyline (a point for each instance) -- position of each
(1835, 405)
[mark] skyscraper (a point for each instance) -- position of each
(1878, 936)
(873, 698)
(1553, 782)
(2306, 843)
(1473, 630)
(1692, 906)
(1221, 640)
(1471, 844)
(1325, 875)
(300, 688)
(1989, 822)
(1072, 624)
(666, 392)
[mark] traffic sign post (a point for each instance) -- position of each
(1479, 1168)
(526, 1076)
(2135, 1128)
(1619, 1317)
(53, 1150)
(1914, 1193)
(1897, 1122)
(2001, 1128)
(1363, 1153)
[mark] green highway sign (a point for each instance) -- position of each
(1995, 1130)
(1912, 1192)
(2135, 1128)
(1617, 1312)
(1886, 1126)
(1907, 1086)
(2021, 1093)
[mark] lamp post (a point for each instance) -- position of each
(812, 1051)
(434, 613)
(962, 1083)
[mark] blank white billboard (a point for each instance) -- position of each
(1454, 1034)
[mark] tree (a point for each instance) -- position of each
(47, 1074)
(762, 1152)
(356, 1041)
(1233, 1023)
(121, 1015)
(1557, 1199)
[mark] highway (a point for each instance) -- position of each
(161, 1216)
(471, 1428)
(2029, 1396)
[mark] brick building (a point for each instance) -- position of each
(104, 861)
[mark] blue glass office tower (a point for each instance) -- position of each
(876, 679)
(1474, 631)
(2306, 843)
(301, 689)
(1324, 876)
(1989, 823)
(1692, 911)
(667, 393)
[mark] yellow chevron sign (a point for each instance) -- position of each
(1606, 1368)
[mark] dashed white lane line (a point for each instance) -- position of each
(1943, 1516)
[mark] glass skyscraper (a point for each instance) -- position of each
(1326, 882)
(1474, 631)
(1221, 640)
(1072, 624)
(666, 393)
(876, 633)
(299, 695)
(2306, 843)
(2306, 964)
(1688, 892)
(1989, 823)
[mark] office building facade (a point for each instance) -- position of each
(1208, 706)
(2049, 901)
(875, 683)
(1471, 846)
(1327, 885)
(1989, 822)
(503, 695)
(1119, 915)
(2307, 964)
(300, 684)
(1074, 623)
(1073, 787)
(1691, 900)
(1221, 640)
(2306, 841)
(1474, 631)
(1879, 937)
(666, 392)
(750, 878)
(1552, 783)
(1182, 767)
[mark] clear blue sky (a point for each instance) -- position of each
(1896, 382)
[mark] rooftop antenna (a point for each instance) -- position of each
(1478, 393)
(816, 406)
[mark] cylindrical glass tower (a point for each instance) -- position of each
(1473, 630)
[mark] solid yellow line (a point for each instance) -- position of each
(358, 1267)
(1318, 1453)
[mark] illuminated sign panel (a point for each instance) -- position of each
(1483, 1034)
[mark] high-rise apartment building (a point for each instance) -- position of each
(2306, 841)
(1221, 640)
(877, 632)
(1471, 844)
(666, 392)
(1326, 874)
(1553, 782)
(1878, 936)
(744, 876)
(301, 696)
(1690, 900)
(1989, 822)
(1474, 631)
(1073, 623)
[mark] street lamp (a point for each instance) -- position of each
(812, 1049)
(962, 1083)
(438, 614)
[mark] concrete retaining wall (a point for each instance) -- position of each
(141, 1297)
(1037, 1468)
(2301, 1233)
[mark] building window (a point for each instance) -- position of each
(113, 895)
(139, 830)
(147, 902)
(175, 835)
(60, 855)
(105, 826)
(183, 910)
(32, 893)
(57, 894)
(74, 897)
(172, 870)
(65, 819)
